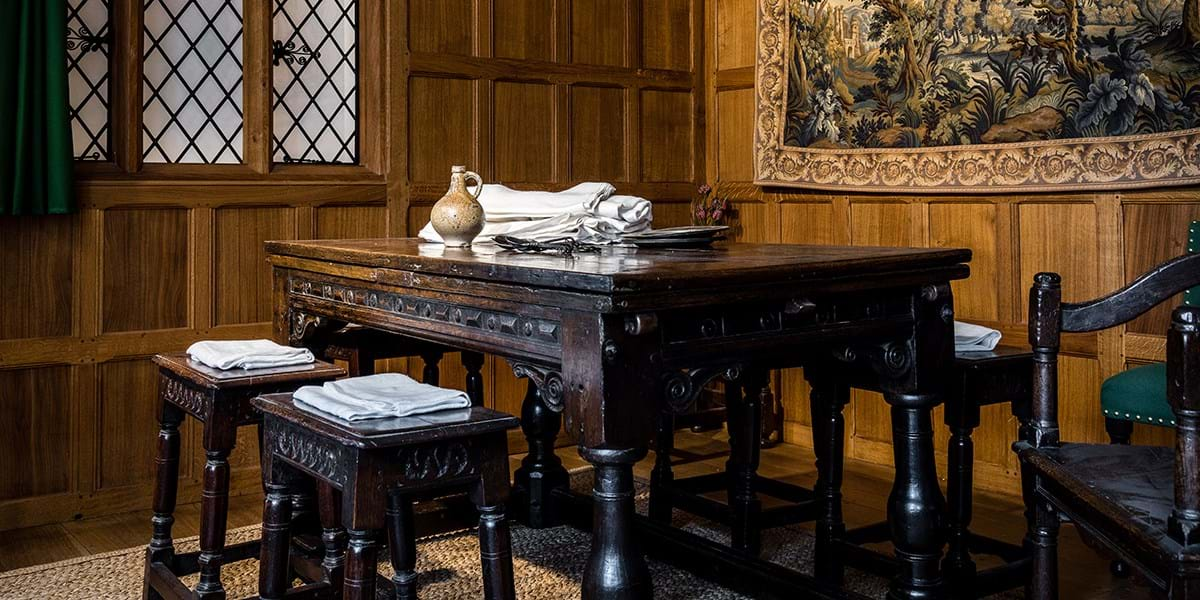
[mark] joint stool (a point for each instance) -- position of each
(378, 466)
(220, 400)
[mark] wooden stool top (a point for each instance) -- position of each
(394, 431)
(180, 364)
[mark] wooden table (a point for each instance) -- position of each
(606, 338)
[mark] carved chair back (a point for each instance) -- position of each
(1049, 317)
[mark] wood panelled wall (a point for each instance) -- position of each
(535, 93)
(1097, 242)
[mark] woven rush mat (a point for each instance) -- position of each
(548, 564)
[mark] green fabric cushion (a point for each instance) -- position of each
(1139, 394)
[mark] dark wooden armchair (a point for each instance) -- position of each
(1141, 502)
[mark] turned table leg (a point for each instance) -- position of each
(615, 568)
(473, 362)
(916, 505)
(431, 375)
(541, 470)
(828, 399)
(745, 426)
(662, 475)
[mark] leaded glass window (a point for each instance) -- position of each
(192, 81)
(316, 81)
(88, 42)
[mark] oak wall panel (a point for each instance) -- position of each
(35, 433)
(128, 425)
(735, 135)
(598, 32)
(598, 133)
(242, 276)
(441, 131)
(524, 136)
(443, 26)
(970, 225)
(806, 223)
(145, 260)
(880, 224)
(1155, 233)
(735, 33)
(351, 222)
(524, 29)
(665, 23)
(667, 140)
(36, 250)
(1060, 237)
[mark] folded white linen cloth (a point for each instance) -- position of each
(247, 354)
(588, 212)
(377, 397)
(969, 337)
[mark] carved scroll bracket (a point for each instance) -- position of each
(307, 330)
(548, 381)
(681, 388)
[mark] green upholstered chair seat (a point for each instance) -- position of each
(1139, 394)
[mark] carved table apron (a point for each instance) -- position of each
(606, 339)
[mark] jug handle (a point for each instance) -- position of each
(479, 180)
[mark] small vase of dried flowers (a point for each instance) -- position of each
(708, 208)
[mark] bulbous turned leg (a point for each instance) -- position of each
(541, 470)
(402, 544)
(916, 505)
(616, 569)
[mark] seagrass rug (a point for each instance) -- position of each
(548, 564)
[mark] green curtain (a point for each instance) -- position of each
(35, 130)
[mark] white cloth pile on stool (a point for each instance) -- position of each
(248, 354)
(377, 397)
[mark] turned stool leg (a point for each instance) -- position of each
(214, 507)
(495, 544)
(403, 546)
(333, 535)
(276, 541)
(361, 557)
(161, 549)
(662, 475)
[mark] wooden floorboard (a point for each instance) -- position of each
(1085, 574)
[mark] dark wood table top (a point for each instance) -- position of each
(627, 269)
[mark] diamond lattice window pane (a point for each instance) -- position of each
(88, 77)
(192, 81)
(316, 81)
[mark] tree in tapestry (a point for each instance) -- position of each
(926, 73)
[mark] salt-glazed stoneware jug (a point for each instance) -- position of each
(458, 216)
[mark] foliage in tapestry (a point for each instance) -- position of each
(924, 73)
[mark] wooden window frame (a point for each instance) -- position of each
(125, 101)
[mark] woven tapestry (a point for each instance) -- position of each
(977, 95)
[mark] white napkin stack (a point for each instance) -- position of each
(377, 397)
(969, 337)
(588, 212)
(247, 354)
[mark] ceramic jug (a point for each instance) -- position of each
(458, 216)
